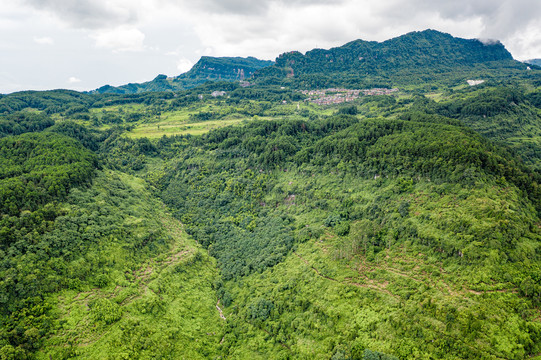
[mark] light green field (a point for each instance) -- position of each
(170, 127)
(435, 96)
(179, 123)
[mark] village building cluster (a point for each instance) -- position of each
(337, 96)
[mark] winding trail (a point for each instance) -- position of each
(372, 285)
(313, 268)
(220, 310)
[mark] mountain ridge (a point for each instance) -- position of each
(419, 50)
(536, 62)
(429, 49)
(208, 68)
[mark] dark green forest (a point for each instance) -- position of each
(259, 225)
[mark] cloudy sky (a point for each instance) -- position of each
(84, 44)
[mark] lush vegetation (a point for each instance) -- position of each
(362, 192)
(415, 59)
(256, 225)
(502, 114)
(206, 69)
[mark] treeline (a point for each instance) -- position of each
(429, 148)
(22, 122)
(67, 102)
(210, 184)
(38, 170)
(506, 115)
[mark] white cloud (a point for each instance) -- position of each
(184, 65)
(302, 26)
(44, 40)
(489, 41)
(74, 80)
(526, 44)
(275, 26)
(265, 28)
(89, 14)
(119, 39)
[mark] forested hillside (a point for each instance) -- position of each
(261, 224)
(411, 59)
(206, 69)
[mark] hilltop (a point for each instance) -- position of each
(206, 69)
(413, 50)
(413, 58)
(416, 57)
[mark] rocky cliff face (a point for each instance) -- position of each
(206, 69)
(427, 48)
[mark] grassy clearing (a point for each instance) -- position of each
(181, 122)
(170, 127)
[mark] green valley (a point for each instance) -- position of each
(389, 217)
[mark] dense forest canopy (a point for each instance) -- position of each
(234, 222)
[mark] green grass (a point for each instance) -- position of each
(178, 122)
(171, 126)
(162, 307)
(438, 96)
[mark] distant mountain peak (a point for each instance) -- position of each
(427, 49)
(536, 62)
(416, 51)
(208, 68)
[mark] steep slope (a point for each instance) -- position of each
(89, 258)
(346, 237)
(405, 59)
(396, 227)
(224, 68)
(152, 295)
(206, 69)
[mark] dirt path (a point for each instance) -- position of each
(313, 268)
(422, 277)
(382, 286)
(220, 310)
(371, 285)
